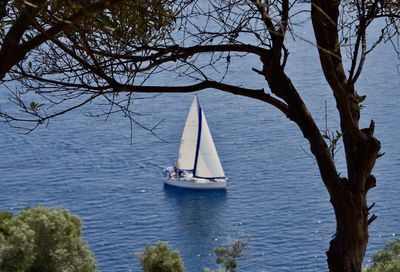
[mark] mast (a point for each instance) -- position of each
(196, 157)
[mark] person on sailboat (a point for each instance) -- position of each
(170, 171)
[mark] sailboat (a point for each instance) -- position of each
(198, 165)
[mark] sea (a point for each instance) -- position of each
(109, 172)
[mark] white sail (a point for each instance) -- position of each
(187, 150)
(198, 165)
(208, 163)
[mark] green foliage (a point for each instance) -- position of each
(128, 20)
(116, 23)
(139, 21)
(4, 217)
(161, 258)
(34, 107)
(387, 259)
(219, 270)
(227, 256)
(45, 240)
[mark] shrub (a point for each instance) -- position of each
(43, 239)
(387, 259)
(228, 256)
(161, 258)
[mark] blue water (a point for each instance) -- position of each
(275, 200)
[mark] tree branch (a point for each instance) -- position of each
(258, 94)
(324, 14)
(3, 8)
(65, 25)
(12, 51)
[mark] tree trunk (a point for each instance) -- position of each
(347, 248)
(349, 195)
(349, 200)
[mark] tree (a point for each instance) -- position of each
(228, 256)
(88, 64)
(43, 239)
(27, 25)
(387, 259)
(160, 258)
(31, 30)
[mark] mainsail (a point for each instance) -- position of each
(187, 150)
(197, 151)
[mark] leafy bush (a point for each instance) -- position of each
(387, 259)
(45, 240)
(227, 256)
(161, 258)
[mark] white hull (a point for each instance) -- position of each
(197, 184)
